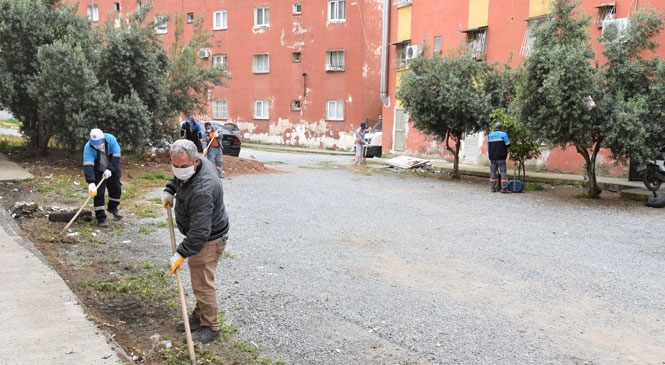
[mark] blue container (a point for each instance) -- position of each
(516, 186)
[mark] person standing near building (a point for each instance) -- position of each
(191, 130)
(214, 149)
(197, 196)
(101, 160)
(497, 143)
(360, 143)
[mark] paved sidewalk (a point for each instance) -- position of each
(42, 320)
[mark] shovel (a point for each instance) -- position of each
(82, 206)
(181, 292)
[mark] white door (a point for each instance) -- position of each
(399, 141)
(471, 147)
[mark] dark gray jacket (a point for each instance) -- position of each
(199, 208)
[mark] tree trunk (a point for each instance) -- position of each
(455, 152)
(593, 191)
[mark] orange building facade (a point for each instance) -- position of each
(303, 72)
(494, 30)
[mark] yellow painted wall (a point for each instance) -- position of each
(398, 78)
(404, 23)
(539, 7)
(478, 12)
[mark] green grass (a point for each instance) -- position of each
(147, 229)
(146, 284)
(533, 187)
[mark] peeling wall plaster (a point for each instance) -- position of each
(318, 134)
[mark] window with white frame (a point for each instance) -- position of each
(261, 109)
(219, 20)
(335, 61)
(138, 4)
(335, 110)
(116, 6)
(475, 42)
(262, 16)
(220, 109)
(437, 44)
(296, 57)
(605, 12)
(261, 63)
(337, 10)
(297, 8)
(190, 17)
(529, 38)
(161, 25)
(93, 13)
(400, 54)
(219, 60)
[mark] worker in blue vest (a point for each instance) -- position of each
(101, 164)
(497, 143)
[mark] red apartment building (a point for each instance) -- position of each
(495, 30)
(303, 72)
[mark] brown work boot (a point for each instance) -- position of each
(194, 324)
(205, 335)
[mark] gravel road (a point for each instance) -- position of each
(335, 266)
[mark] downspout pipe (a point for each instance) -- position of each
(383, 94)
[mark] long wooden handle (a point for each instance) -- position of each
(82, 206)
(181, 292)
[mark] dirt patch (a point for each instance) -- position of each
(135, 301)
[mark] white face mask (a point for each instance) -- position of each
(184, 173)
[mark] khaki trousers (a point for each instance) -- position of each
(202, 267)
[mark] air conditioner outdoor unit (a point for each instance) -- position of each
(413, 51)
(401, 3)
(204, 53)
(615, 30)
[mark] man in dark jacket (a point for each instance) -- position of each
(497, 143)
(191, 130)
(201, 217)
(101, 159)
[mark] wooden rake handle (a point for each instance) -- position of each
(81, 208)
(181, 293)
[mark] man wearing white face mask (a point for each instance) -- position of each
(101, 159)
(201, 217)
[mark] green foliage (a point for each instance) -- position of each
(189, 79)
(62, 78)
(448, 96)
(26, 26)
(633, 99)
(558, 78)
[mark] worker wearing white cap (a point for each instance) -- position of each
(101, 163)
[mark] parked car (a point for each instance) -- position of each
(374, 138)
(233, 128)
(230, 141)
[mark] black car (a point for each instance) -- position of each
(230, 141)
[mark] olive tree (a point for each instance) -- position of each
(558, 79)
(446, 98)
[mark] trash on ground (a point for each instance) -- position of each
(407, 162)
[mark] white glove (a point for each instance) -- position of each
(92, 189)
(107, 173)
(167, 200)
(176, 261)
